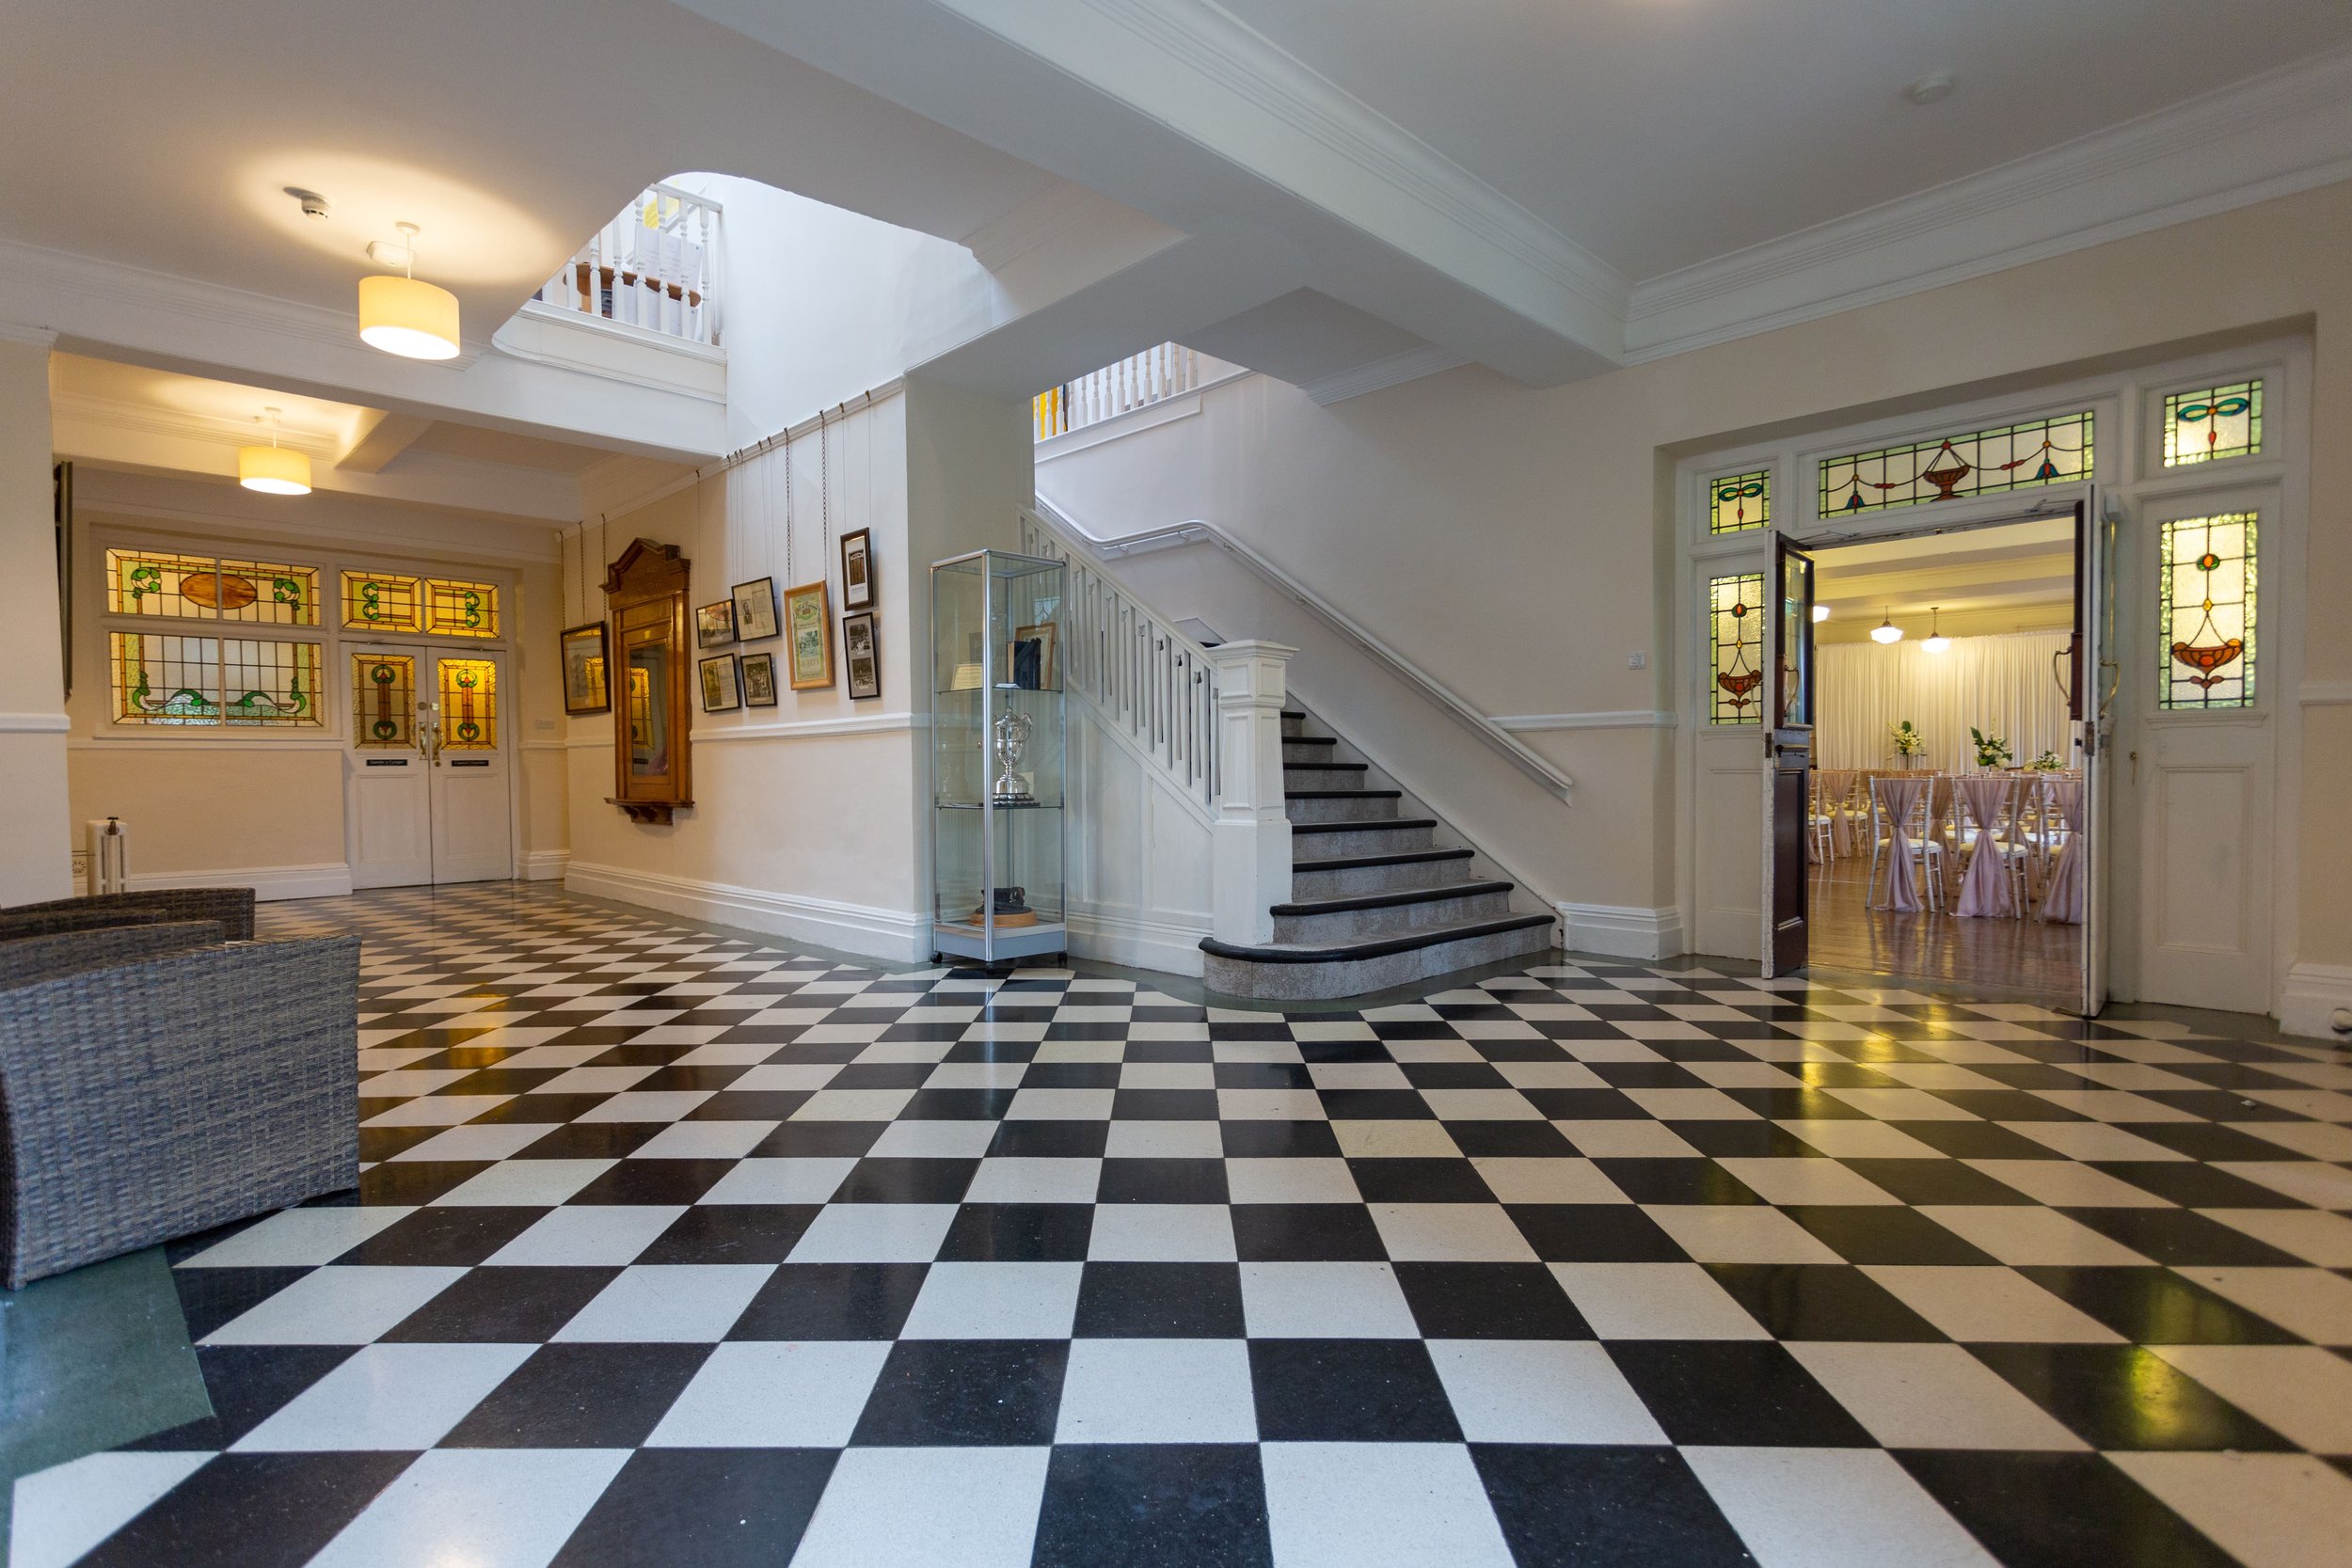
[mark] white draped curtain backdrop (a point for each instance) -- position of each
(2003, 686)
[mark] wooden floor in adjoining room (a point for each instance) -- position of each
(2022, 956)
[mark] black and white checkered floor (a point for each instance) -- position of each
(677, 1249)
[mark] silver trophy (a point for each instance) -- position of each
(1013, 737)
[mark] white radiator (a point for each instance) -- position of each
(109, 845)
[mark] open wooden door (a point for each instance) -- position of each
(1787, 760)
(2091, 706)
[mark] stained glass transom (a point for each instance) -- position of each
(2212, 423)
(455, 608)
(383, 701)
(470, 705)
(165, 678)
(1736, 657)
(2208, 602)
(383, 601)
(1986, 462)
(160, 582)
(1739, 502)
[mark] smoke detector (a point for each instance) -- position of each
(313, 204)
(1931, 89)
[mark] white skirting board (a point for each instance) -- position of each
(1170, 946)
(1621, 931)
(2312, 996)
(902, 936)
(327, 880)
(544, 866)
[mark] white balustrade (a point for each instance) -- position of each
(1156, 375)
(655, 266)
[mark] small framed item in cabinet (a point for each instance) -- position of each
(998, 744)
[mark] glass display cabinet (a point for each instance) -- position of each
(996, 757)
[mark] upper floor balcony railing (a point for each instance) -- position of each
(1154, 375)
(655, 266)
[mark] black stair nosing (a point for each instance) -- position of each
(1380, 948)
(1392, 899)
(1378, 825)
(1343, 794)
(1389, 857)
(1297, 713)
(1310, 740)
(1328, 767)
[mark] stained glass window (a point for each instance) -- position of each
(470, 705)
(1736, 638)
(1737, 501)
(159, 582)
(383, 601)
(383, 699)
(163, 678)
(1983, 463)
(2208, 600)
(461, 608)
(2214, 423)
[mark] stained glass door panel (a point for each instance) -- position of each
(472, 832)
(388, 811)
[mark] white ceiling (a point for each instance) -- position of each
(2017, 577)
(1662, 132)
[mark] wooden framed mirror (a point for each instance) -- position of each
(652, 661)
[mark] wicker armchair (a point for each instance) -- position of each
(150, 1089)
(231, 905)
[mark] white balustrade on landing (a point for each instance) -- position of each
(1146, 678)
(1138, 381)
(655, 266)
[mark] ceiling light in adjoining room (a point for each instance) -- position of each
(405, 314)
(1936, 641)
(1887, 630)
(272, 469)
(1820, 614)
(1931, 89)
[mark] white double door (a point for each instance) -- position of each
(426, 765)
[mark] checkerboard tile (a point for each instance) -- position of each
(667, 1239)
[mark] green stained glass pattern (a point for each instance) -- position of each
(2212, 423)
(383, 701)
(2055, 450)
(453, 609)
(2208, 602)
(1735, 618)
(383, 601)
(1736, 503)
(166, 679)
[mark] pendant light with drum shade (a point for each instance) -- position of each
(272, 469)
(403, 314)
(1887, 630)
(1936, 641)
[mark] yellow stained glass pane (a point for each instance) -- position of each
(270, 593)
(470, 705)
(149, 582)
(2207, 646)
(383, 601)
(455, 608)
(1737, 502)
(1735, 618)
(161, 678)
(383, 701)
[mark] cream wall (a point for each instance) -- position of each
(1521, 545)
(34, 862)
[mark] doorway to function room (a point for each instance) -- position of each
(1947, 793)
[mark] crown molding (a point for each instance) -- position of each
(33, 337)
(1392, 371)
(2271, 135)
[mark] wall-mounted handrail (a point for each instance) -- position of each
(1196, 531)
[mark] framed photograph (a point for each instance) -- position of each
(714, 625)
(808, 636)
(587, 687)
(722, 691)
(860, 650)
(1029, 662)
(755, 609)
(857, 570)
(759, 680)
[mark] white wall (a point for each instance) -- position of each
(34, 858)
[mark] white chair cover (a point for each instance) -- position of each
(1897, 798)
(2062, 904)
(1987, 889)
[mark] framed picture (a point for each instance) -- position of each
(587, 687)
(755, 608)
(857, 570)
(1029, 662)
(860, 650)
(808, 635)
(714, 625)
(759, 680)
(722, 689)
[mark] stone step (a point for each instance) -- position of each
(1298, 971)
(1338, 875)
(1309, 750)
(1341, 805)
(1323, 774)
(1310, 839)
(1357, 917)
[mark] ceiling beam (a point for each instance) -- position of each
(378, 437)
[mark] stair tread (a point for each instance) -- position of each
(1389, 898)
(1372, 948)
(1343, 794)
(1328, 767)
(1293, 713)
(1385, 856)
(1381, 826)
(1310, 740)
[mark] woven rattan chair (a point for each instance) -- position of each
(152, 1088)
(232, 907)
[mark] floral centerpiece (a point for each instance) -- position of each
(1909, 742)
(1992, 751)
(2047, 763)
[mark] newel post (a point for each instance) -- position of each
(1250, 842)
